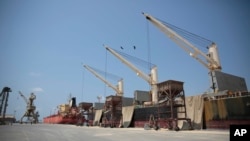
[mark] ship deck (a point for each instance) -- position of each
(58, 132)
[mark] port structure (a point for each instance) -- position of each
(30, 108)
(172, 103)
(112, 115)
(86, 113)
(4, 102)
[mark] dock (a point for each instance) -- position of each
(60, 132)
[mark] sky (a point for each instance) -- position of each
(45, 43)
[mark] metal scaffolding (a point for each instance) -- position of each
(172, 98)
(112, 111)
(4, 95)
(86, 113)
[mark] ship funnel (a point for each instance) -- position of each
(73, 102)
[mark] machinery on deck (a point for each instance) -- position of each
(172, 104)
(86, 113)
(171, 31)
(226, 88)
(113, 104)
(151, 78)
(164, 96)
(118, 89)
(112, 115)
(212, 56)
(4, 102)
(30, 108)
(188, 41)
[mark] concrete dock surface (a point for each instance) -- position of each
(58, 132)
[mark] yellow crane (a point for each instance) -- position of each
(30, 108)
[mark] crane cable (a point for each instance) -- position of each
(144, 64)
(105, 74)
(149, 51)
(82, 83)
(195, 39)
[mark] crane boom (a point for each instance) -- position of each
(151, 79)
(131, 66)
(212, 58)
(119, 89)
(25, 99)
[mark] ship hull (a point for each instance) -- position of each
(221, 113)
(58, 119)
(217, 114)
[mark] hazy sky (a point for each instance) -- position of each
(44, 44)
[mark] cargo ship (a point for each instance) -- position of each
(67, 113)
(174, 110)
(205, 111)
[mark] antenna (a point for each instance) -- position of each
(69, 97)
